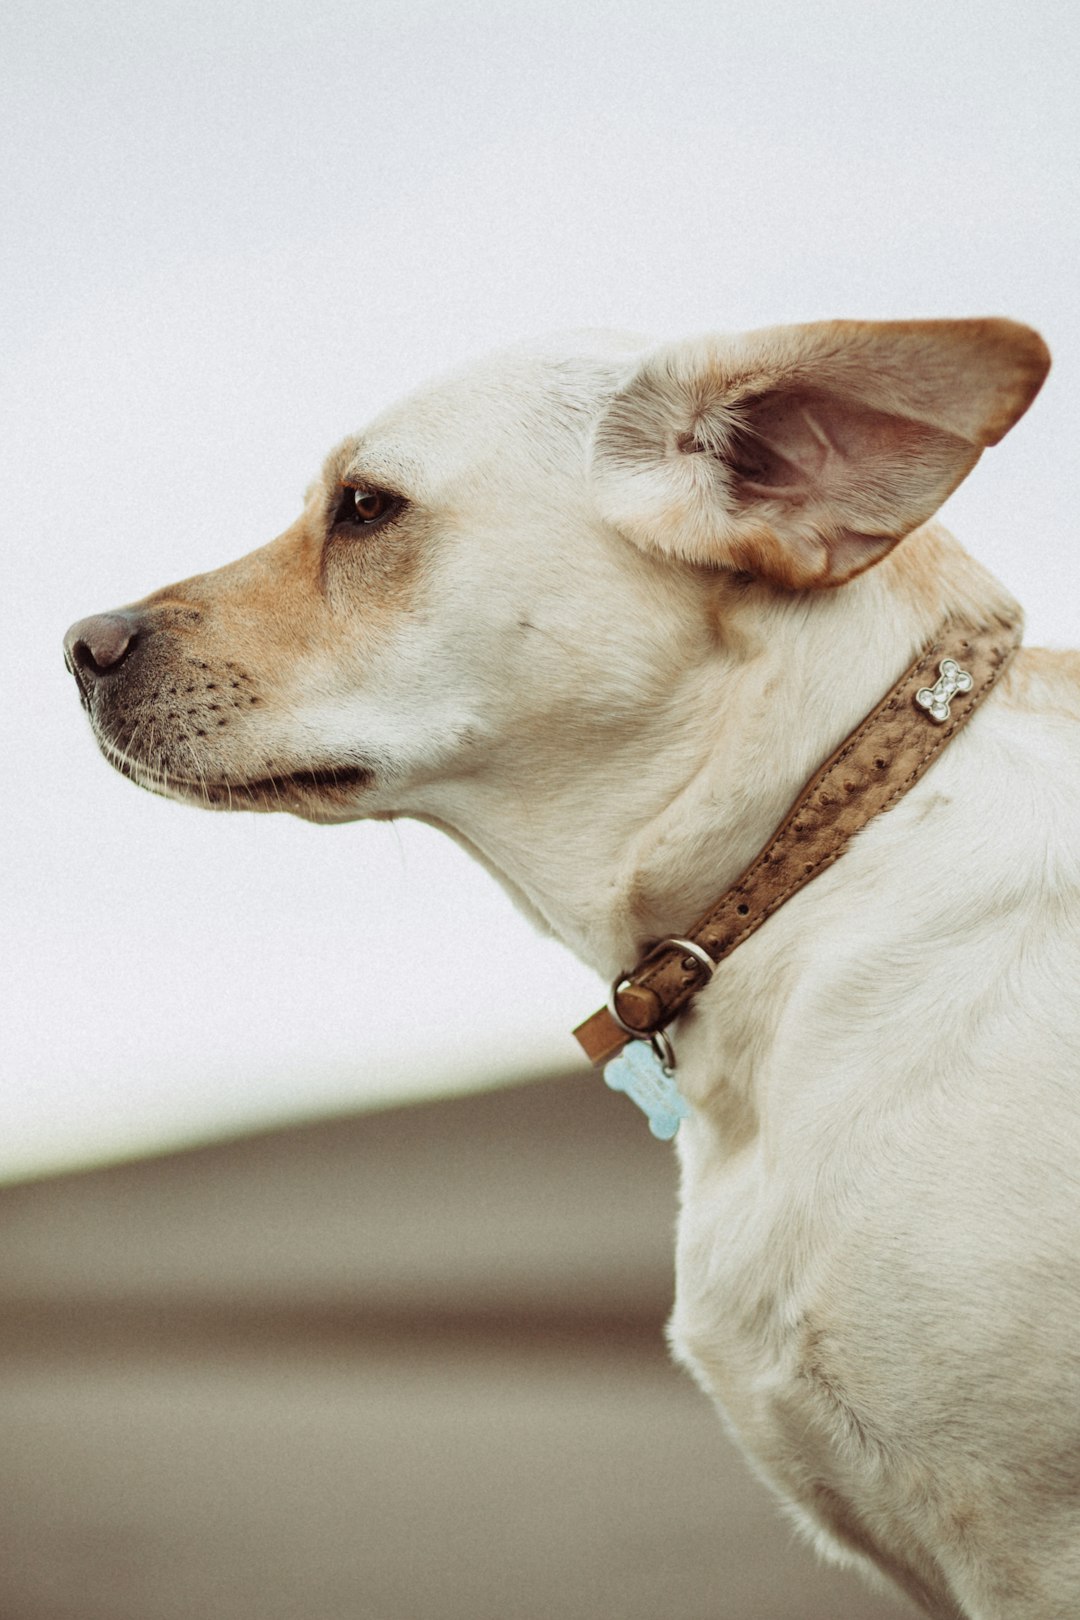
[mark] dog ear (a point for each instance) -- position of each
(804, 453)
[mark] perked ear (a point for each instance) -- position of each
(804, 453)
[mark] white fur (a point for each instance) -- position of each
(879, 1247)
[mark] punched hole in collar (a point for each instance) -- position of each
(743, 910)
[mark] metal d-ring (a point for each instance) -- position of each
(616, 985)
(660, 1043)
(663, 1051)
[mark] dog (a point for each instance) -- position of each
(599, 608)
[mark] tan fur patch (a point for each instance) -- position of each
(1044, 679)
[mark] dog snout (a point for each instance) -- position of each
(96, 647)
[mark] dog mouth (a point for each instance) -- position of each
(298, 790)
(328, 779)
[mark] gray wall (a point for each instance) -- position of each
(404, 1365)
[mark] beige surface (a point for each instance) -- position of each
(390, 1368)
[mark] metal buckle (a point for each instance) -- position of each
(688, 948)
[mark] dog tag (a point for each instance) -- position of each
(639, 1072)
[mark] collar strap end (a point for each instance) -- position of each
(600, 1037)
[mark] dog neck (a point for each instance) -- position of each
(636, 837)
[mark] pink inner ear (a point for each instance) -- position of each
(795, 443)
(833, 481)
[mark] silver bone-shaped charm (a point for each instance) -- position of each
(936, 699)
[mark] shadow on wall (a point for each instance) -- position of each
(392, 1367)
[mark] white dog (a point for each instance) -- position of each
(600, 611)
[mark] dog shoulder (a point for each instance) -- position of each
(1046, 681)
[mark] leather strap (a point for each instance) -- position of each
(883, 757)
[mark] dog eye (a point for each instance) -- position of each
(363, 507)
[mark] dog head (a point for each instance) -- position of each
(517, 563)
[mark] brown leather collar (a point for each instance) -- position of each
(884, 756)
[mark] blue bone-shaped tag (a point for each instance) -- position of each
(639, 1072)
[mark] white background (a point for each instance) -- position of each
(229, 235)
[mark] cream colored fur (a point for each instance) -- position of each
(591, 648)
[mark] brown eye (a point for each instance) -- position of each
(369, 504)
(363, 507)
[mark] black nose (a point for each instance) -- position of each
(97, 646)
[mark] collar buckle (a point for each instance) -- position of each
(648, 1025)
